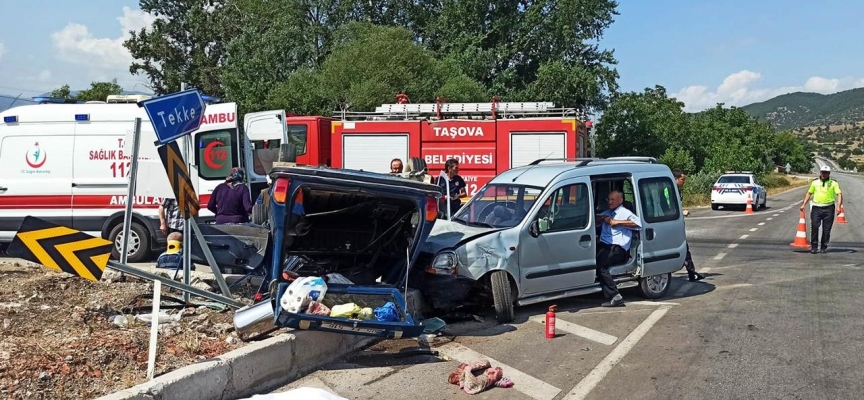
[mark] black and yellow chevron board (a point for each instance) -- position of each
(178, 177)
(61, 248)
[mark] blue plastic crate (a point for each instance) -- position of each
(367, 296)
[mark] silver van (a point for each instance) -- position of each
(530, 236)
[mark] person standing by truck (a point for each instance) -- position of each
(457, 187)
(823, 192)
(680, 179)
(231, 201)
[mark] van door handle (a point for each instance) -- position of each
(649, 234)
(585, 241)
(3, 188)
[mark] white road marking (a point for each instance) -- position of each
(706, 269)
(744, 237)
(768, 219)
(653, 303)
(531, 386)
(776, 215)
(719, 256)
(754, 229)
(316, 383)
(588, 383)
(578, 330)
(761, 223)
(733, 245)
(735, 286)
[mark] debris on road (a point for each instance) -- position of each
(465, 377)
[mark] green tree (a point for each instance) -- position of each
(99, 91)
(509, 45)
(368, 67)
(62, 92)
(185, 44)
(678, 159)
(644, 124)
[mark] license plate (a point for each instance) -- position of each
(350, 328)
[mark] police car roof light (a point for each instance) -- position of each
(56, 100)
(11, 119)
(210, 99)
(82, 117)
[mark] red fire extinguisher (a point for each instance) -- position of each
(550, 322)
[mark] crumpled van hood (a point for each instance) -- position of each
(447, 234)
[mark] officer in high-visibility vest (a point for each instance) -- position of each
(680, 178)
(823, 192)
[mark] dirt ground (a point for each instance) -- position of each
(58, 340)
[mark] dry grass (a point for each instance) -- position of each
(702, 200)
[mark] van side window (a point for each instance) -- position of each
(656, 206)
(567, 208)
(265, 153)
(214, 153)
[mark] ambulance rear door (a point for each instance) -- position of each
(264, 132)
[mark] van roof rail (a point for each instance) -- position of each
(582, 160)
(650, 160)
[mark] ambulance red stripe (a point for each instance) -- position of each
(84, 201)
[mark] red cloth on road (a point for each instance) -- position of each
(465, 377)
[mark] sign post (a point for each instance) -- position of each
(446, 179)
(130, 196)
(173, 117)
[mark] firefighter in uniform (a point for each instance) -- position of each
(823, 192)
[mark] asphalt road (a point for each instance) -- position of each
(769, 322)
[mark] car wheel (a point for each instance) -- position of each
(139, 242)
(715, 207)
(502, 296)
(656, 286)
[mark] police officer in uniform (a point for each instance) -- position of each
(822, 191)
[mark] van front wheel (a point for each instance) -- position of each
(502, 296)
(139, 242)
(656, 286)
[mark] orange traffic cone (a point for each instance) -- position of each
(749, 204)
(841, 218)
(801, 236)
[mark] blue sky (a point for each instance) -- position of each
(703, 52)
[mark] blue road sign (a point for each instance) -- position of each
(175, 115)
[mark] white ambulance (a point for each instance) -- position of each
(69, 164)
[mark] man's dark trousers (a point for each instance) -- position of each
(824, 217)
(607, 256)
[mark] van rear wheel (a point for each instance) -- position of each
(656, 286)
(502, 296)
(139, 242)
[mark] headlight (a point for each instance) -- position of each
(444, 264)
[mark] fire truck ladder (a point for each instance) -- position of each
(493, 110)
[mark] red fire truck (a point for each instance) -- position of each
(486, 138)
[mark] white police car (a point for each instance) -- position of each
(734, 188)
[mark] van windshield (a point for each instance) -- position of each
(498, 206)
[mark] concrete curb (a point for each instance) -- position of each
(258, 366)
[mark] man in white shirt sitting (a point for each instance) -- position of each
(618, 224)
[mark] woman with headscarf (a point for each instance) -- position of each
(231, 201)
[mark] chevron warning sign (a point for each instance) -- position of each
(61, 248)
(178, 176)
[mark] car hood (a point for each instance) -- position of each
(446, 234)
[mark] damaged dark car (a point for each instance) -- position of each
(360, 232)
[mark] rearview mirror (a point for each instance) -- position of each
(534, 229)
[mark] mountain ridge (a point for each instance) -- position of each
(797, 110)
